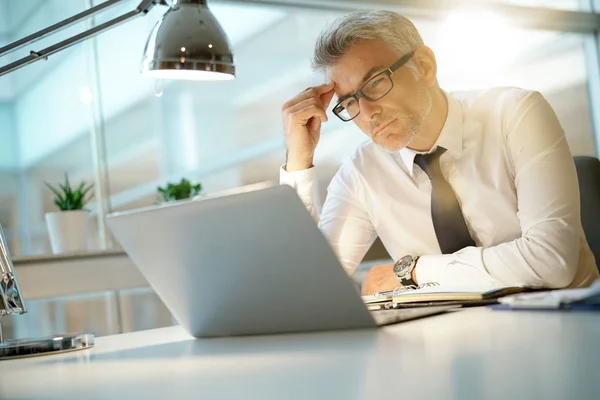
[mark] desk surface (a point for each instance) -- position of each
(470, 354)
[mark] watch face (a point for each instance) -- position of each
(403, 265)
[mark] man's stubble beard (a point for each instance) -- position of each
(415, 120)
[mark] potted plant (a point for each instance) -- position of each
(68, 227)
(178, 191)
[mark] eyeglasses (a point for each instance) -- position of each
(374, 89)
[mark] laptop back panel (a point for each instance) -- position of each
(250, 263)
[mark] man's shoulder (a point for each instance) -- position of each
(496, 99)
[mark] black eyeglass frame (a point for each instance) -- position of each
(359, 93)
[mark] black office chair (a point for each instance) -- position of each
(588, 174)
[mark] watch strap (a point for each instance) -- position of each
(408, 282)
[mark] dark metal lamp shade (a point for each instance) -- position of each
(188, 43)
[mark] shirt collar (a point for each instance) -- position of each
(451, 136)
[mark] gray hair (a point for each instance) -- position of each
(345, 31)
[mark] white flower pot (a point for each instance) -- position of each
(68, 231)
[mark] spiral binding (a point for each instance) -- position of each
(402, 289)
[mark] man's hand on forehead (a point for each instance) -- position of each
(302, 119)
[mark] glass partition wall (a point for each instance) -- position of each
(88, 112)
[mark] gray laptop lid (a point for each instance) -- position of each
(241, 264)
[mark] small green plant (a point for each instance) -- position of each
(179, 191)
(68, 199)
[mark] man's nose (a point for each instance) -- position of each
(368, 109)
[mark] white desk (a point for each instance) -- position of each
(471, 354)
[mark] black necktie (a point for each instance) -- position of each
(448, 222)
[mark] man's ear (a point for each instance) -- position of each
(427, 64)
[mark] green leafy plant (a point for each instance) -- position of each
(68, 199)
(179, 191)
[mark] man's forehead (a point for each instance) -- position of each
(362, 60)
(349, 78)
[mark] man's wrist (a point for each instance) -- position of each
(295, 163)
(403, 269)
(297, 167)
(413, 273)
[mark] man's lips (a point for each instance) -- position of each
(382, 127)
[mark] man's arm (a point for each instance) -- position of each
(547, 252)
(343, 220)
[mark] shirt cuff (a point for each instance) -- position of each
(303, 181)
(465, 267)
(305, 184)
(432, 268)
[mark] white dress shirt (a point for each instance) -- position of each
(509, 164)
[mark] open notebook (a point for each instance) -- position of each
(432, 292)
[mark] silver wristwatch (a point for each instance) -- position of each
(403, 270)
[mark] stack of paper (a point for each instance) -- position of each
(553, 299)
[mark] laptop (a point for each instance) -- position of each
(246, 262)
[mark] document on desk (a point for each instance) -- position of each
(584, 298)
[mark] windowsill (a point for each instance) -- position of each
(58, 275)
(49, 258)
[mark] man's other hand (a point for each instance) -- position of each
(380, 278)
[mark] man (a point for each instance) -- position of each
(463, 188)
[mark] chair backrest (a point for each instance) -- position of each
(588, 174)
